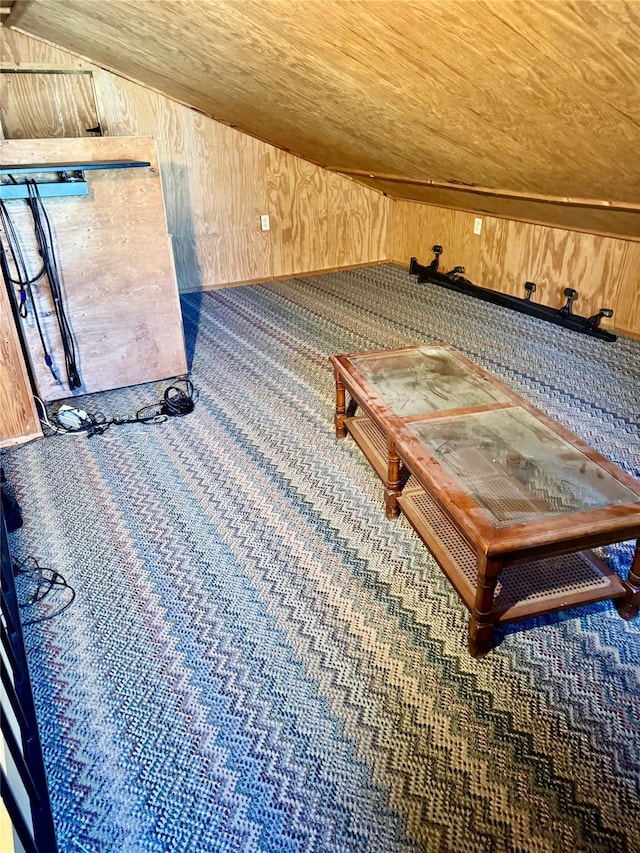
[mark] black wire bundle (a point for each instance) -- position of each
(45, 580)
(23, 282)
(44, 238)
(178, 401)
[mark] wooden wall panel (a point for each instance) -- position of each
(299, 222)
(19, 51)
(18, 418)
(47, 105)
(415, 228)
(625, 290)
(213, 179)
(597, 219)
(601, 269)
(115, 264)
(357, 222)
(319, 222)
(605, 271)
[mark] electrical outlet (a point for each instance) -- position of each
(477, 225)
(265, 224)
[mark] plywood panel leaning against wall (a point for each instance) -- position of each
(116, 267)
(605, 271)
(18, 417)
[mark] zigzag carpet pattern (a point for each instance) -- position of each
(258, 661)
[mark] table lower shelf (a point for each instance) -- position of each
(373, 444)
(529, 589)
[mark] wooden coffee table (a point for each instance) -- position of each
(508, 501)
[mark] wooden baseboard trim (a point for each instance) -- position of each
(303, 274)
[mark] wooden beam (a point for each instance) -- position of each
(472, 188)
(8, 7)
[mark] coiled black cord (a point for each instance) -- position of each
(178, 399)
(45, 581)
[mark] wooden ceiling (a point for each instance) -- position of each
(522, 108)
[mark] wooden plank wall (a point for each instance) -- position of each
(604, 270)
(18, 418)
(218, 181)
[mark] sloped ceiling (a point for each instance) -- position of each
(525, 108)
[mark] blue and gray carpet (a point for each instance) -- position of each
(257, 660)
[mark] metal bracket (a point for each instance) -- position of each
(65, 179)
(454, 280)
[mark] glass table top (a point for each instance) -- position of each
(517, 469)
(425, 380)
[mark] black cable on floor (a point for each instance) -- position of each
(178, 400)
(45, 580)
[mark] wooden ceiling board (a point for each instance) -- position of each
(522, 95)
(594, 220)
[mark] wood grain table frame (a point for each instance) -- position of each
(397, 455)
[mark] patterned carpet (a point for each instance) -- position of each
(257, 660)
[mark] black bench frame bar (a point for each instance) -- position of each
(560, 316)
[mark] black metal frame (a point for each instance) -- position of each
(67, 178)
(454, 280)
(27, 754)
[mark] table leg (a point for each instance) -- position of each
(481, 623)
(392, 488)
(629, 605)
(341, 411)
